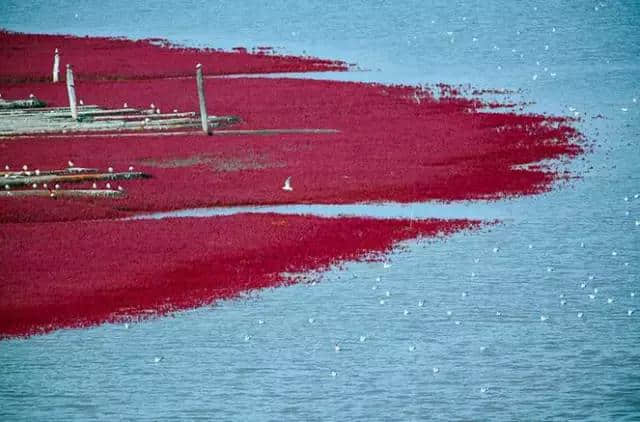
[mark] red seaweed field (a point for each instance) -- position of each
(28, 57)
(72, 262)
(82, 273)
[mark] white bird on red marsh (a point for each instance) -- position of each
(70, 163)
(287, 184)
(94, 186)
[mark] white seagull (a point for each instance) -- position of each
(287, 184)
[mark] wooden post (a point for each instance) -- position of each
(56, 66)
(203, 104)
(71, 90)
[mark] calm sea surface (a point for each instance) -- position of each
(507, 335)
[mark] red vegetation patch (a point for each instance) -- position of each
(29, 57)
(392, 146)
(84, 273)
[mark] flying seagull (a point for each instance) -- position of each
(287, 184)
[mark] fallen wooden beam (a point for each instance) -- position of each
(43, 110)
(65, 125)
(68, 170)
(19, 104)
(66, 193)
(97, 112)
(271, 131)
(72, 178)
(147, 116)
(156, 133)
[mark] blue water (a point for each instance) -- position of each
(220, 363)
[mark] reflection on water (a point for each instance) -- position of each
(545, 327)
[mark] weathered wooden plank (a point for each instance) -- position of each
(155, 133)
(149, 116)
(43, 110)
(64, 193)
(21, 104)
(28, 173)
(72, 178)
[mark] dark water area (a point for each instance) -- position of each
(535, 318)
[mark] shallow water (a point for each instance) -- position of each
(508, 367)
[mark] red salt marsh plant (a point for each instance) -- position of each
(388, 147)
(71, 263)
(29, 57)
(62, 275)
